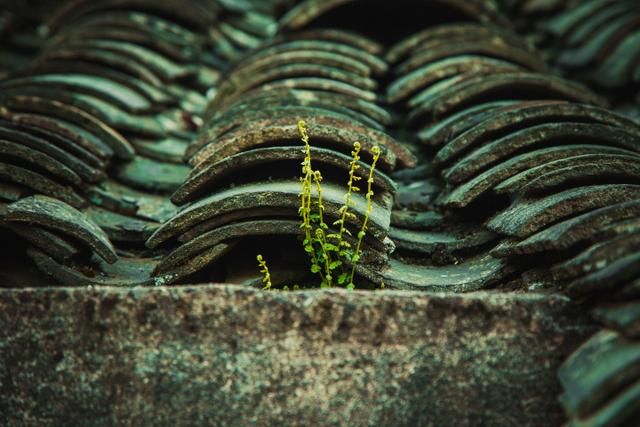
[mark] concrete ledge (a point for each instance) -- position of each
(227, 355)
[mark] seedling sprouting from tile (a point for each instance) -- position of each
(333, 258)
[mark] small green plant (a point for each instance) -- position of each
(332, 257)
(266, 276)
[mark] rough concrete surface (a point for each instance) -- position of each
(227, 355)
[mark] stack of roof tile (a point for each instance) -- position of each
(94, 129)
(593, 41)
(494, 171)
(243, 189)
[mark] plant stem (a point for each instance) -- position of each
(353, 166)
(363, 229)
(326, 255)
(266, 279)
